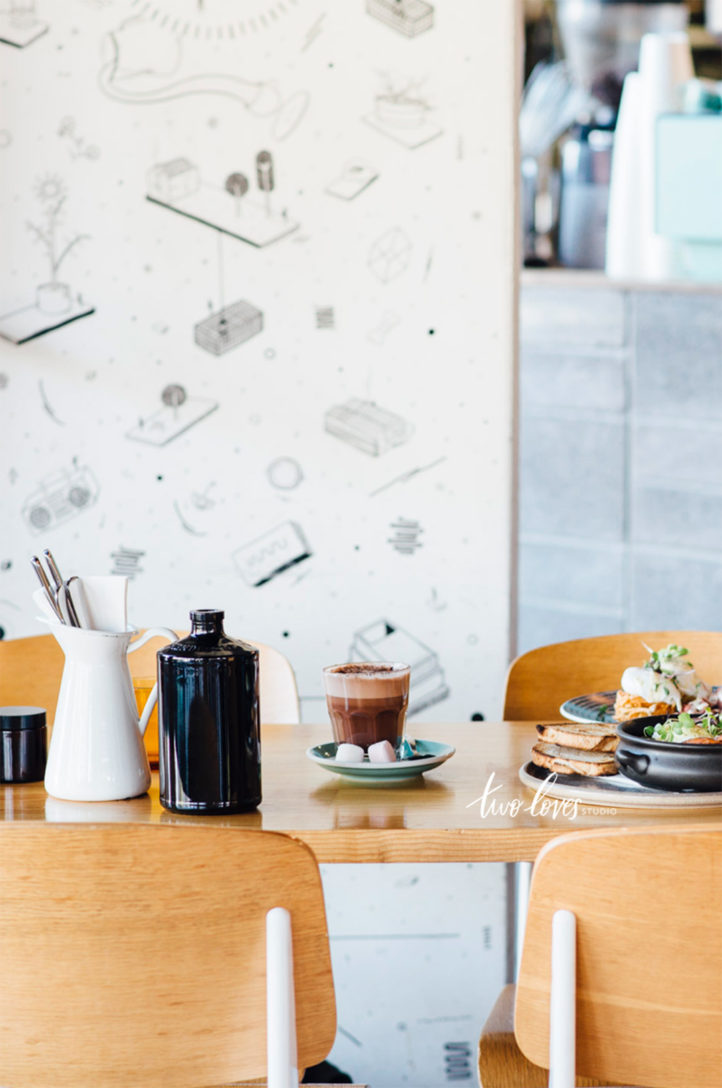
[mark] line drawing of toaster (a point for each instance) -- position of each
(60, 496)
(363, 424)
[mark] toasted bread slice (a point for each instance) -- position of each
(589, 737)
(563, 760)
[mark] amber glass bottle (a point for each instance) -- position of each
(209, 750)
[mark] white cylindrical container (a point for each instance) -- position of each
(624, 217)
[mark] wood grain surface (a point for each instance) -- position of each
(136, 955)
(649, 954)
(440, 816)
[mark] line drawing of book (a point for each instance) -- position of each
(270, 554)
(409, 17)
(368, 427)
(384, 641)
(228, 328)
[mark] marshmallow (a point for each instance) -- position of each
(382, 752)
(350, 753)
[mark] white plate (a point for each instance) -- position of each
(612, 790)
(598, 707)
(430, 754)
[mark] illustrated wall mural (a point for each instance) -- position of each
(256, 311)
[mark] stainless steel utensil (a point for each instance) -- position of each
(61, 590)
(47, 588)
(56, 589)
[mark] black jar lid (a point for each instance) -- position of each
(21, 717)
(204, 615)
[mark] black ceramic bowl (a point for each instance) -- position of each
(664, 765)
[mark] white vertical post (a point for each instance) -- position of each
(280, 1001)
(522, 882)
(562, 1006)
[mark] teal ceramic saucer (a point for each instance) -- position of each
(429, 754)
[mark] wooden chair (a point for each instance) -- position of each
(539, 681)
(31, 669)
(136, 955)
(647, 987)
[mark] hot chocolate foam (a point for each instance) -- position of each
(367, 679)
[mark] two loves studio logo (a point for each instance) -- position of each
(541, 805)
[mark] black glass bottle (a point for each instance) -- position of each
(208, 721)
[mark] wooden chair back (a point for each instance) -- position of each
(135, 955)
(539, 681)
(649, 954)
(31, 670)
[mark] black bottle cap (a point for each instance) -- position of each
(21, 717)
(206, 615)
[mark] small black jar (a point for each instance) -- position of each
(208, 721)
(23, 743)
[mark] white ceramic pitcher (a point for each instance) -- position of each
(96, 745)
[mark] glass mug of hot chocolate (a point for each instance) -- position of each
(367, 702)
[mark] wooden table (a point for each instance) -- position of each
(436, 818)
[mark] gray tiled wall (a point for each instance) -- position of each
(620, 460)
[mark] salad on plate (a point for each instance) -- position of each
(701, 727)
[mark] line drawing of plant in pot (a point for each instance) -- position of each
(53, 297)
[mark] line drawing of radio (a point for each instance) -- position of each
(268, 555)
(60, 496)
(384, 641)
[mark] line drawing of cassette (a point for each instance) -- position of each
(269, 555)
(355, 176)
(409, 17)
(389, 255)
(365, 425)
(384, 641)
(228, 328)
(59, 497)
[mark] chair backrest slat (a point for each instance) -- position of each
(649, 954)
(135, 955)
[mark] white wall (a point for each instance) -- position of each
(398, 294)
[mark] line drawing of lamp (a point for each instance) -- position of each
(178, 186)
(178, 414)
